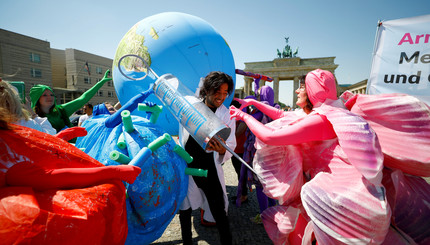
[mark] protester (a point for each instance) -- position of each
(211, 189)
(44, 104)
(242, 196)
(51, 190)
(313, 145)
(266, 95)
(88, 110)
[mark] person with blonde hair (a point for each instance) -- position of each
(9, 100)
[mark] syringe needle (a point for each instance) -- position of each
(238, 157)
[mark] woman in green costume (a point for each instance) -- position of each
(43, 103)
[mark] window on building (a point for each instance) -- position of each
(110, 83)
(34, 58)
(36, 72)
(110, 93)
(99, 70)
(87, 80)
(100, 93)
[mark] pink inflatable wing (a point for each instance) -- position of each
(308, 235)
(281, 170)
(280, 166)
(345, 207)
(279, 222)
(410, 198)
(402, 124)
(358, 141)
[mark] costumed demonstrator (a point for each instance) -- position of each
(265, 95)
(153, 198)
(50, 191)
(44, 103)
(9, 100)
(325, 166)
(242, 194)
(209, 193)
(246, 177)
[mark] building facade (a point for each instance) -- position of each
(75, 71)
(26, 59)
(68, 72)
(358, 88)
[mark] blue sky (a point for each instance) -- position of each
(254, 29)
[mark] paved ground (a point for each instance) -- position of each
(244, 231)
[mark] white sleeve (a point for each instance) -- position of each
(46, 126)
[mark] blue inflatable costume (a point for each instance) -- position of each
(155, 196)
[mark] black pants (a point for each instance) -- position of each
(185, 220)
(213, 191)
(215, 196)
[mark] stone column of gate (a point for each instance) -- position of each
(245, 86)
(295, 87)
(248, 86)
(276, 88)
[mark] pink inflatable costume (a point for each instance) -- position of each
(328, 167)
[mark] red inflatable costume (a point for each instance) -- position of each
(51, 192)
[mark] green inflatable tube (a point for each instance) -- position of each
(183, 153)
(160, 141)
(196, 172)
(155, 111)
(121, 142)
(126, 120)
(119, 157)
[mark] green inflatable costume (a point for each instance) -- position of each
(59, 115)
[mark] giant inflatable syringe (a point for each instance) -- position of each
(200, 122)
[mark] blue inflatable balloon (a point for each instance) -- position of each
(176, 43)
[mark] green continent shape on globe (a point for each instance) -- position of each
(132, 43)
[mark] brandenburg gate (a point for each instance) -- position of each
(286, 69)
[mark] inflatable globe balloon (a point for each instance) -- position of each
(180, 44)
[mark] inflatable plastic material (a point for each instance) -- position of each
(155, 196)
(46, 217)
(176, 43)
(406, 191)
(343, 197)
(254, 75)
(341, 202)
(394, 117)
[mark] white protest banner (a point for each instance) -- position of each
(401, 58)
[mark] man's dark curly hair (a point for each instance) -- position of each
(213, 81)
